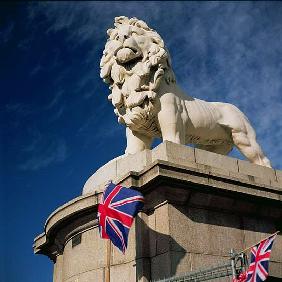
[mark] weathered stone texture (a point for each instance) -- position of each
(197, 207)
(58, 269)
(86, 256)
(123, 272)
(202, 231)
(92, 275)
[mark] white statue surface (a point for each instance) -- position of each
(147, 99)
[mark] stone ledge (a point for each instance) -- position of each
(190, 185)
(44, 242)
(182, 175)
(184, 156)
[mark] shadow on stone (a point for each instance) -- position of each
(236, 219)
(157, 255)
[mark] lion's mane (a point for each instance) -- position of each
(134, 62)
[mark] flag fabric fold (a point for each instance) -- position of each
(116, 213)
(259, 262)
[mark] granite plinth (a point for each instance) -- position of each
(199, 205)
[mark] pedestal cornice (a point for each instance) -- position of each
(193, 183)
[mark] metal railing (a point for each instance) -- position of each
(219, 271)
(236, 265)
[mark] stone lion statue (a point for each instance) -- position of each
(147, 99)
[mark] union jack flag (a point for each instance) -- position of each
(116, 212)
(260, 255)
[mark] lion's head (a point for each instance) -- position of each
(134, 62)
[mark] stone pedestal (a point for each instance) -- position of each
(199, 205)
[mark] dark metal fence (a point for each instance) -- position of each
(223, 270)
(236, 265)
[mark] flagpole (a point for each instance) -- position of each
(257, 243)
(108, 262)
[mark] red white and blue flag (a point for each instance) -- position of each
(259, 263)
(116, 212)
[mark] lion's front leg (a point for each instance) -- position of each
(136, 142)
(170, 121)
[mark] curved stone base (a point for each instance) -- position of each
(72, 241)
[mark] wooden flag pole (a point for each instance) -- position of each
(257, 243)
(108, 262)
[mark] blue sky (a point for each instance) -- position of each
(57, 126)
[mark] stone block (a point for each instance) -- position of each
(239, 176)
(88, 255)
(156, 197)
(185, 176)
(274, 212)
(256, 229)
(200, 199)
(210, 200)
(174, 153)
(162, 229)
(278, 175)
(275, 269)
(215, 229)
(180, 262)
(277, 185)
(217, 163)
(92, 275)
(135, 162)
(142, 236)
(201, 261)
(244, 206)
(115, 169)
(152, 234)
(259, 171)
(58, 269)
(161, 266)
(276, 253)
(123, 272)
(278, 182)
(143, 270)
(169, 264)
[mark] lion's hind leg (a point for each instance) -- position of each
(248, 146)
(242, 133)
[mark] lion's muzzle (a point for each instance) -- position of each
(128, 52)
(125, 55)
